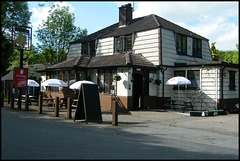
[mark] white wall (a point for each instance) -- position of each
(147, 43)
(210, 87)
(105, 46)
(123, 84)
(93, 74)
(169, 53)
(74, 50)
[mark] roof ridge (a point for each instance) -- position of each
(155, 19)
(78, 60)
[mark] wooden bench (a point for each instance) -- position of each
(187, 105)
(170, 104)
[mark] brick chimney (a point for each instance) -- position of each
(125, 14)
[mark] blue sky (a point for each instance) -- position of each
(217, 21)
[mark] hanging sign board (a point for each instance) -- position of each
(88, 106)
(20, 77)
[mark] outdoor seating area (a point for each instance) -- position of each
(30, 100)
(175, 104)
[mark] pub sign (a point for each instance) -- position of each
(20, 77)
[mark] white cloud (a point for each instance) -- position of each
(217, 21)
(40, 14)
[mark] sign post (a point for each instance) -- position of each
(22, 40)
(20, 76)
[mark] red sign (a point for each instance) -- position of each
(20, 77)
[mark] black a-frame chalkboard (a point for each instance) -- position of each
(88, 106)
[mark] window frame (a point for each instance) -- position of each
(123, 45)
(109, 74)
(88, 48)
(232, 80)
(182, 87)
(190, 78)
(84, 48)
(182, 45)
(197, 50)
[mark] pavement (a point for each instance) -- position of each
(216, 135)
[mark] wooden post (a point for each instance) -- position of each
(12, 100)
(26, 102)
(40, 102)
(56, 107)
(2, 99)
(8, 97)
(114, 114)
(69, 108)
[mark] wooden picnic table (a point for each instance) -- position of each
(171, 103)
(31, 99)
(50, 101)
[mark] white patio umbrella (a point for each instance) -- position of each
(77, 85)
(54, 83)
(179, 80)
(32, 83)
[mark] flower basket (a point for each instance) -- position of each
(117, 78)
(158, 82)
(212, 112)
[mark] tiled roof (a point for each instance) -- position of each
(136, 25)
(115, 60)
(32, 71)
(78, 61)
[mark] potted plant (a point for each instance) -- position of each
(158, 82)
(117, 77)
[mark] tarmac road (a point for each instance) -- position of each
(140, 135)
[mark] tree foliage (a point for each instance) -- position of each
(32, 58)
(231, 56)
(56, 33)
(13, 13)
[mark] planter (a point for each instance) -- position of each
(207, 113)
(212, 113)
(221, 112)
(196, 113)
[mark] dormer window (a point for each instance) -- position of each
(197, 48)
(123, 44)
(85, 48)
(88, 48)
(181, 44)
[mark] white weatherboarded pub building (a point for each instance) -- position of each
(146, 52)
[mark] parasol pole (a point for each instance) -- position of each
(179, 96)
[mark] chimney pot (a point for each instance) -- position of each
(125, 14)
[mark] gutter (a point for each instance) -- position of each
(162, 71)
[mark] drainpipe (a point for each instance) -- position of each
(162, 71)
(221, 87)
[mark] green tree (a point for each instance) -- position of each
(236, 55)
(12, 13)
(231, 56)
(214, 52)
(32, 58)
(55, 34)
